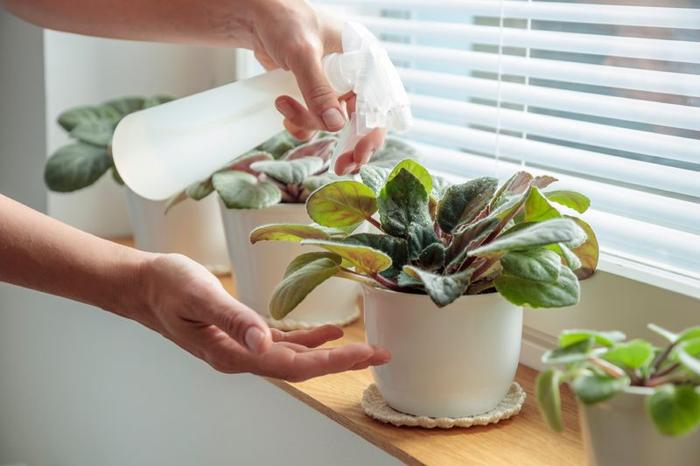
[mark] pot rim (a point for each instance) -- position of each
(425, 295)
(278, 206)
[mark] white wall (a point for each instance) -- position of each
(85, 70)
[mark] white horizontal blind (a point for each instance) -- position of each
(605, 96)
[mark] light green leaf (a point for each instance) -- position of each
(570, 199)
(415, 169)
(240, 190)
(156, 100)
(365, 259)
(290, 172)
(634, 354)
(608, 339)
(534, 294)
(558, 230)
(461, 203)
(87, 114)
(442, 289)
(312, 183)
(570, 259)
(688, 354)
(395, 248)
(341, 204)
(290, 232)
(403, 202)
(689, 334)
(675, 410)
(537, 264)
(374, 177)
(278, 145)
(593, 388)
(76, 166)
(549, 399)
(303, 275)
(538, 208)
(574, 352)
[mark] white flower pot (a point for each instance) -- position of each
(451, 362)
(190, 228)
(258, 268)
(619, 431)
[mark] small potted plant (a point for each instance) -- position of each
(639, 404)
(195, 230)
(270, 184)
(476, 250)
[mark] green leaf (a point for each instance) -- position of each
(116, 176)
(420, 237)
(312, 183)
(407, 281)
(403, 202)
(574, 352)
(395, 248)
(587, 252)
(675, 410)
(440, 185)
(689, 334)
(200, 189)
(549, 399)
(667, 334)
(538, 208)
(593, 388)
(688, 354)
(303, 275)
(466, 236)
(341, 204)
(98, 133)
(243, 162)
(278, 145)
(76, 166)
(608, 339)
(289, 232)
(321, 148)
(415, 169)
(570, 259)
(570, 199)
(290, 172)
(462, 203)
(432, 257)
(156, 100)
(87, 114)
(534, 294)
(365, 259)
(240, 190)
(537, 264)
(634, 354)
(442, 289)
(374, 177)
(558, 230)
(125, 105)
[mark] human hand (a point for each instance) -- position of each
(291, 35)
(188, 305)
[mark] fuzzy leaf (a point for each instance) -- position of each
(569, 337)
(461, 203)
(549, 399)
(366, 259)
(570, 259)
(538, 208)
(395, 248)
(432, 257)
(634, 354)
(156, 100)
(98, 133)
(558, 230)
(76, 166)
(574, 352)
(570, 199)
(539, 294)
(675, 410)
(419, 237)
(87, 114)
(464, 237)
(290, 232)
(587, 252)
(440, 185)
(415, 169)
(538, 264)
(442, 289)
(303, 275)
(290, 172)
(278, 145)
(341, 204)
(594, 388)
(321, 148)
(200, 190)
(403, 203)
(243, 162)
(240, 190)
(312, 183)
(125, 105)
(374, 176)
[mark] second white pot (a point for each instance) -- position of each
(190, 228)
(258, 268)
(451, 362)
(619, 431)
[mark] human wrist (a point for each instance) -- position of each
(131, 295)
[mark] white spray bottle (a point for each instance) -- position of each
(162, 150)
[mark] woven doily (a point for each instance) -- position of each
(293, 324)
(375, 407)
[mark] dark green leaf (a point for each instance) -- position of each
(341, 204)
(76, 166)
(549, 399)
(420, 236)
(415, 169)
(461, 203)
(593, 388)
(88, 114)
(675, 410)
(98, 133)
(539, 294)
(570, 199)
(374, 176)
(157, 100)
(403, 202)
(289, 172)
(116, 176)
(125, 105)
(240, 190)
(432, 257)
(396, 248)
(442, 289)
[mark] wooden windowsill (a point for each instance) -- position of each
(521, 440)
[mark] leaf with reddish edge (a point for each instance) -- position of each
(322, 148)
(588, 252)
(244, 162)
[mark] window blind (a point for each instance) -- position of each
(605, 96)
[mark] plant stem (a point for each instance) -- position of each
(354, 276)
(375, 223)
(662, 357)
(661, 374)
(608, 368)
(660, 380)
(385, 282)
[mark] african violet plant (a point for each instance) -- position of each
(280, 170)
(600, 365)
(441, 240)
(84, 161)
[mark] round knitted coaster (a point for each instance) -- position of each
(292, 324)
(375, 407)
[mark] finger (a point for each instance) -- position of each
(327, 361)
(368, 145)
(240, 322)
(317, 91)
(345, 163)
(298, 133)
(297, 114)
(309, 338)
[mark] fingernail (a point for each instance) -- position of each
(285, 108)
(333, 119)
(350, 168)
(253, 339)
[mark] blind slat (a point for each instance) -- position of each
(570, 72)
(597, 44)
(640, 111)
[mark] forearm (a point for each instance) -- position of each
(212, 22)
(42, 253)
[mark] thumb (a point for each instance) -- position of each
(317, 91)
(242, 324)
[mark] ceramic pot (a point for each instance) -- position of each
(451, 362)
(190, 228)
(258, 268)
(619, 431)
